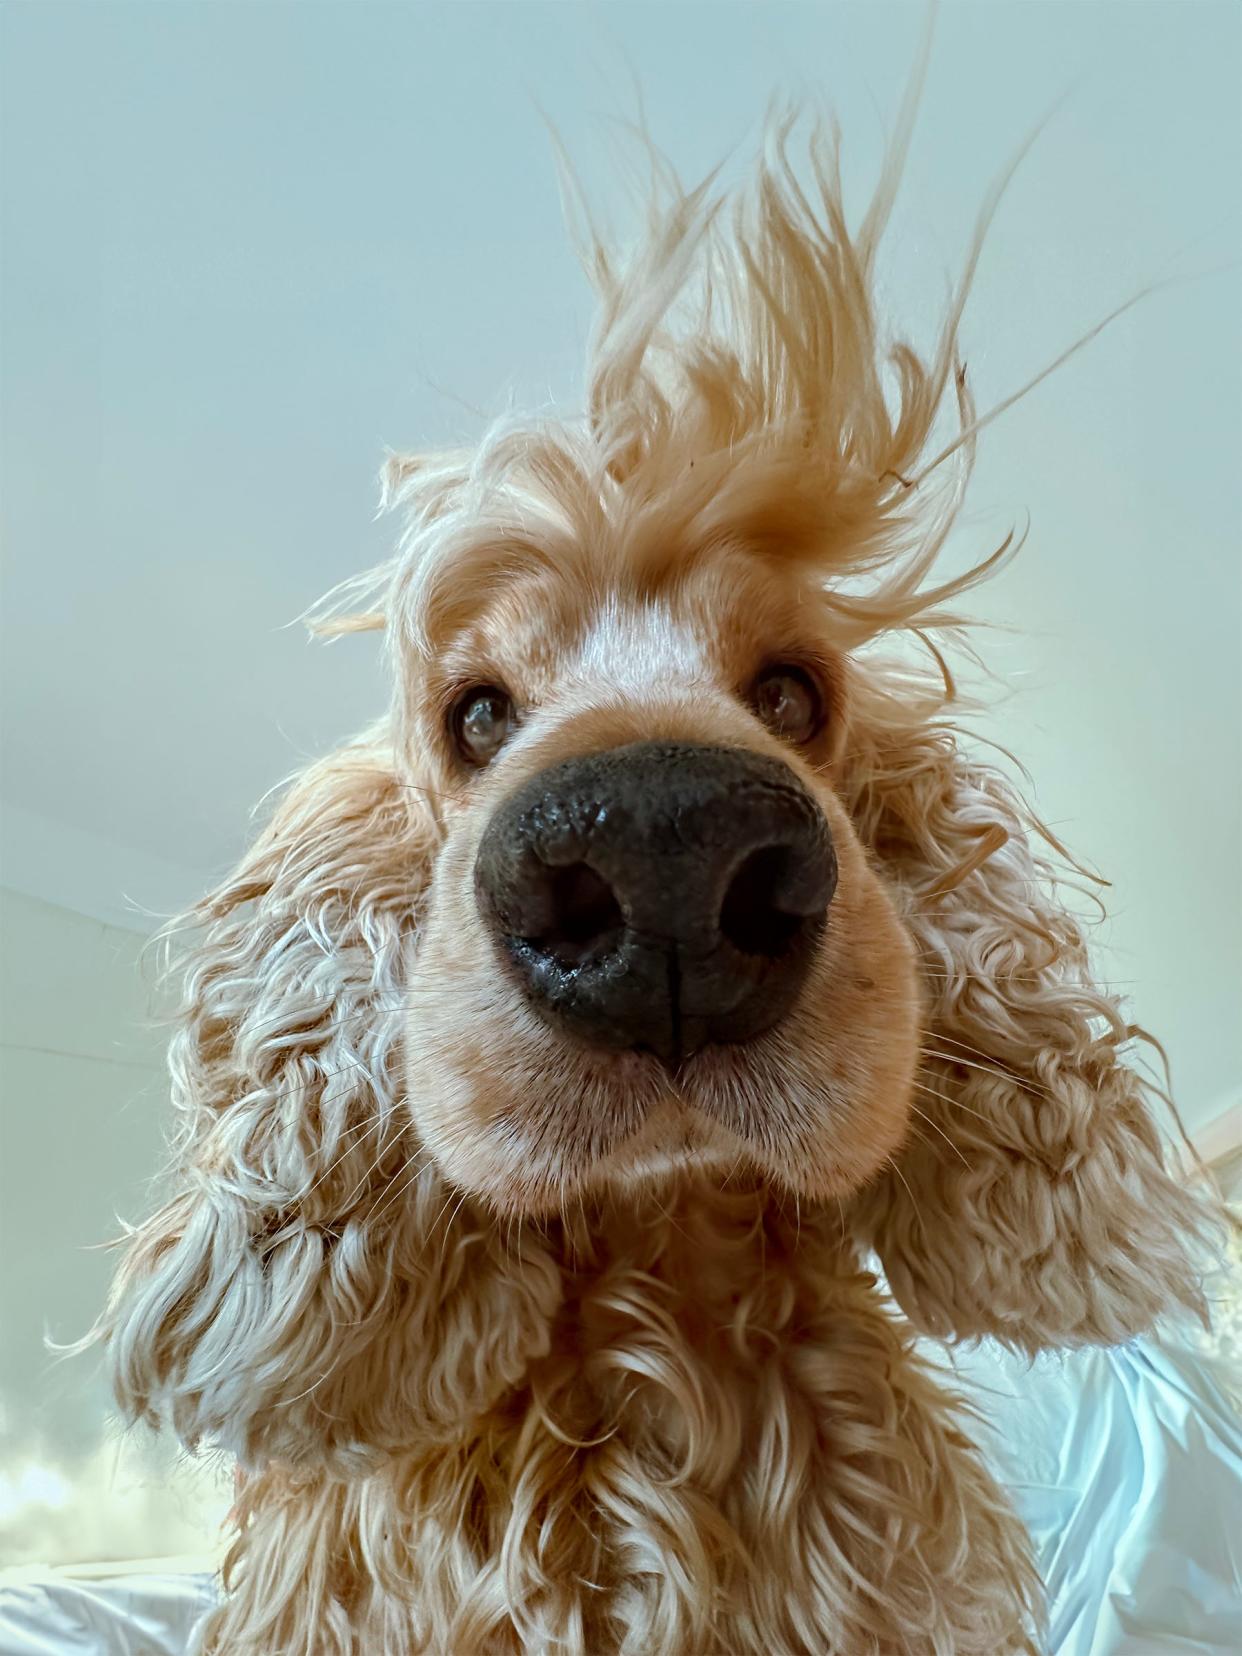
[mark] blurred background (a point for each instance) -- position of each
(248, 247)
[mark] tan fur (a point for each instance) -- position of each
(531, 1349)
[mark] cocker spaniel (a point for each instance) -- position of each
(563, 1051)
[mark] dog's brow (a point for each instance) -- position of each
(635, 646)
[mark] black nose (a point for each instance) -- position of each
(661, 895)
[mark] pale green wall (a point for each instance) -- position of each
(82, 1118)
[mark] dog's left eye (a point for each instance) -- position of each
(481, 720)
(789, 702)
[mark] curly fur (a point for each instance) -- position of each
(513, 1364)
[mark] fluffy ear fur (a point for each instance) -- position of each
(1032, 1200)
(282, 1302)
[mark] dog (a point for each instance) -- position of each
(568, 1048)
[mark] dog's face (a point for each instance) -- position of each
(651, 933)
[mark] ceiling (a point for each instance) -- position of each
(248, 247)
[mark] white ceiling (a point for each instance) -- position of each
(247, 246)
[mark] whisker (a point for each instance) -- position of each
(461, 1199)
(403, 1185)
(418, 788)
(956, 1103)
(918, 1212)
(419, 1158)
(1014, 1080)
(356, 1144)
(925, 1117)
(246, 1030)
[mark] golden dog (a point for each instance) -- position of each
(558, 1056)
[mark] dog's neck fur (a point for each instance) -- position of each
(698, 1456)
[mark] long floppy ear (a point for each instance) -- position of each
(1032, 1200)
(303, 1294)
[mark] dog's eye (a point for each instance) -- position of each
(481, 720)
(788, 701)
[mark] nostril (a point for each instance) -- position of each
(751, 916)
(583, 912)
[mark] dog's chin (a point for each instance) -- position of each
(681, 1140)
(675, 1146)
(675, 1140)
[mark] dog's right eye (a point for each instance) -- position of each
(788, 701)
(481, 720)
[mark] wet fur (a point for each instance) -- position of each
(527, 1349)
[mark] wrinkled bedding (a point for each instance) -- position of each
(53, 1613)
(1126, 1466)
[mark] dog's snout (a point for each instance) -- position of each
(661, 895)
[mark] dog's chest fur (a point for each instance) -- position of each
(719, 1429)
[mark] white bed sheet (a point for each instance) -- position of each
(1126, 1465)
(126, 1613)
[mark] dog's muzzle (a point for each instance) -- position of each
(659, 896)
